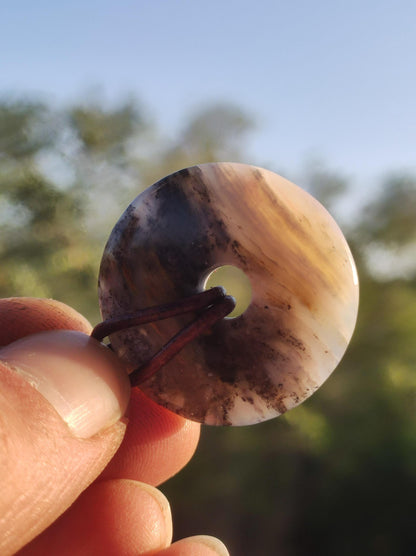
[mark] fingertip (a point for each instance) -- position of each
(84, 381)
(153, 432)
(22, 316)
(111, 517)
(200, 545)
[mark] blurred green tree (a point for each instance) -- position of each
(66, 176)
(41, 249)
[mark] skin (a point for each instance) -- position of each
(65, 495)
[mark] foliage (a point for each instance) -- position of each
(66, 176)
(336, 475)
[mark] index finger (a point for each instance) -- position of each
(22, 316)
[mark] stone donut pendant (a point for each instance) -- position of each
(290, 258)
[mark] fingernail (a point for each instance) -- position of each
(82, 379)
(213, 543)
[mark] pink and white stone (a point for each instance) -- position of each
(303, 280)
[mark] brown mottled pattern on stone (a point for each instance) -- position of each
(304, 285)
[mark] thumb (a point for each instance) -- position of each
(62, 395)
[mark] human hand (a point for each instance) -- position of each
(77, 477)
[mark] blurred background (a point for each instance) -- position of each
(100, 99)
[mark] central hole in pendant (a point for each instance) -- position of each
(235, 283)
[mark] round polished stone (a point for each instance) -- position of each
(303, 290)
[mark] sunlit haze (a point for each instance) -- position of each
(328, 80)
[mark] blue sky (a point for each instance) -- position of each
(332, 79)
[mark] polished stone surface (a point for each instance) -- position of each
(303, 280)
